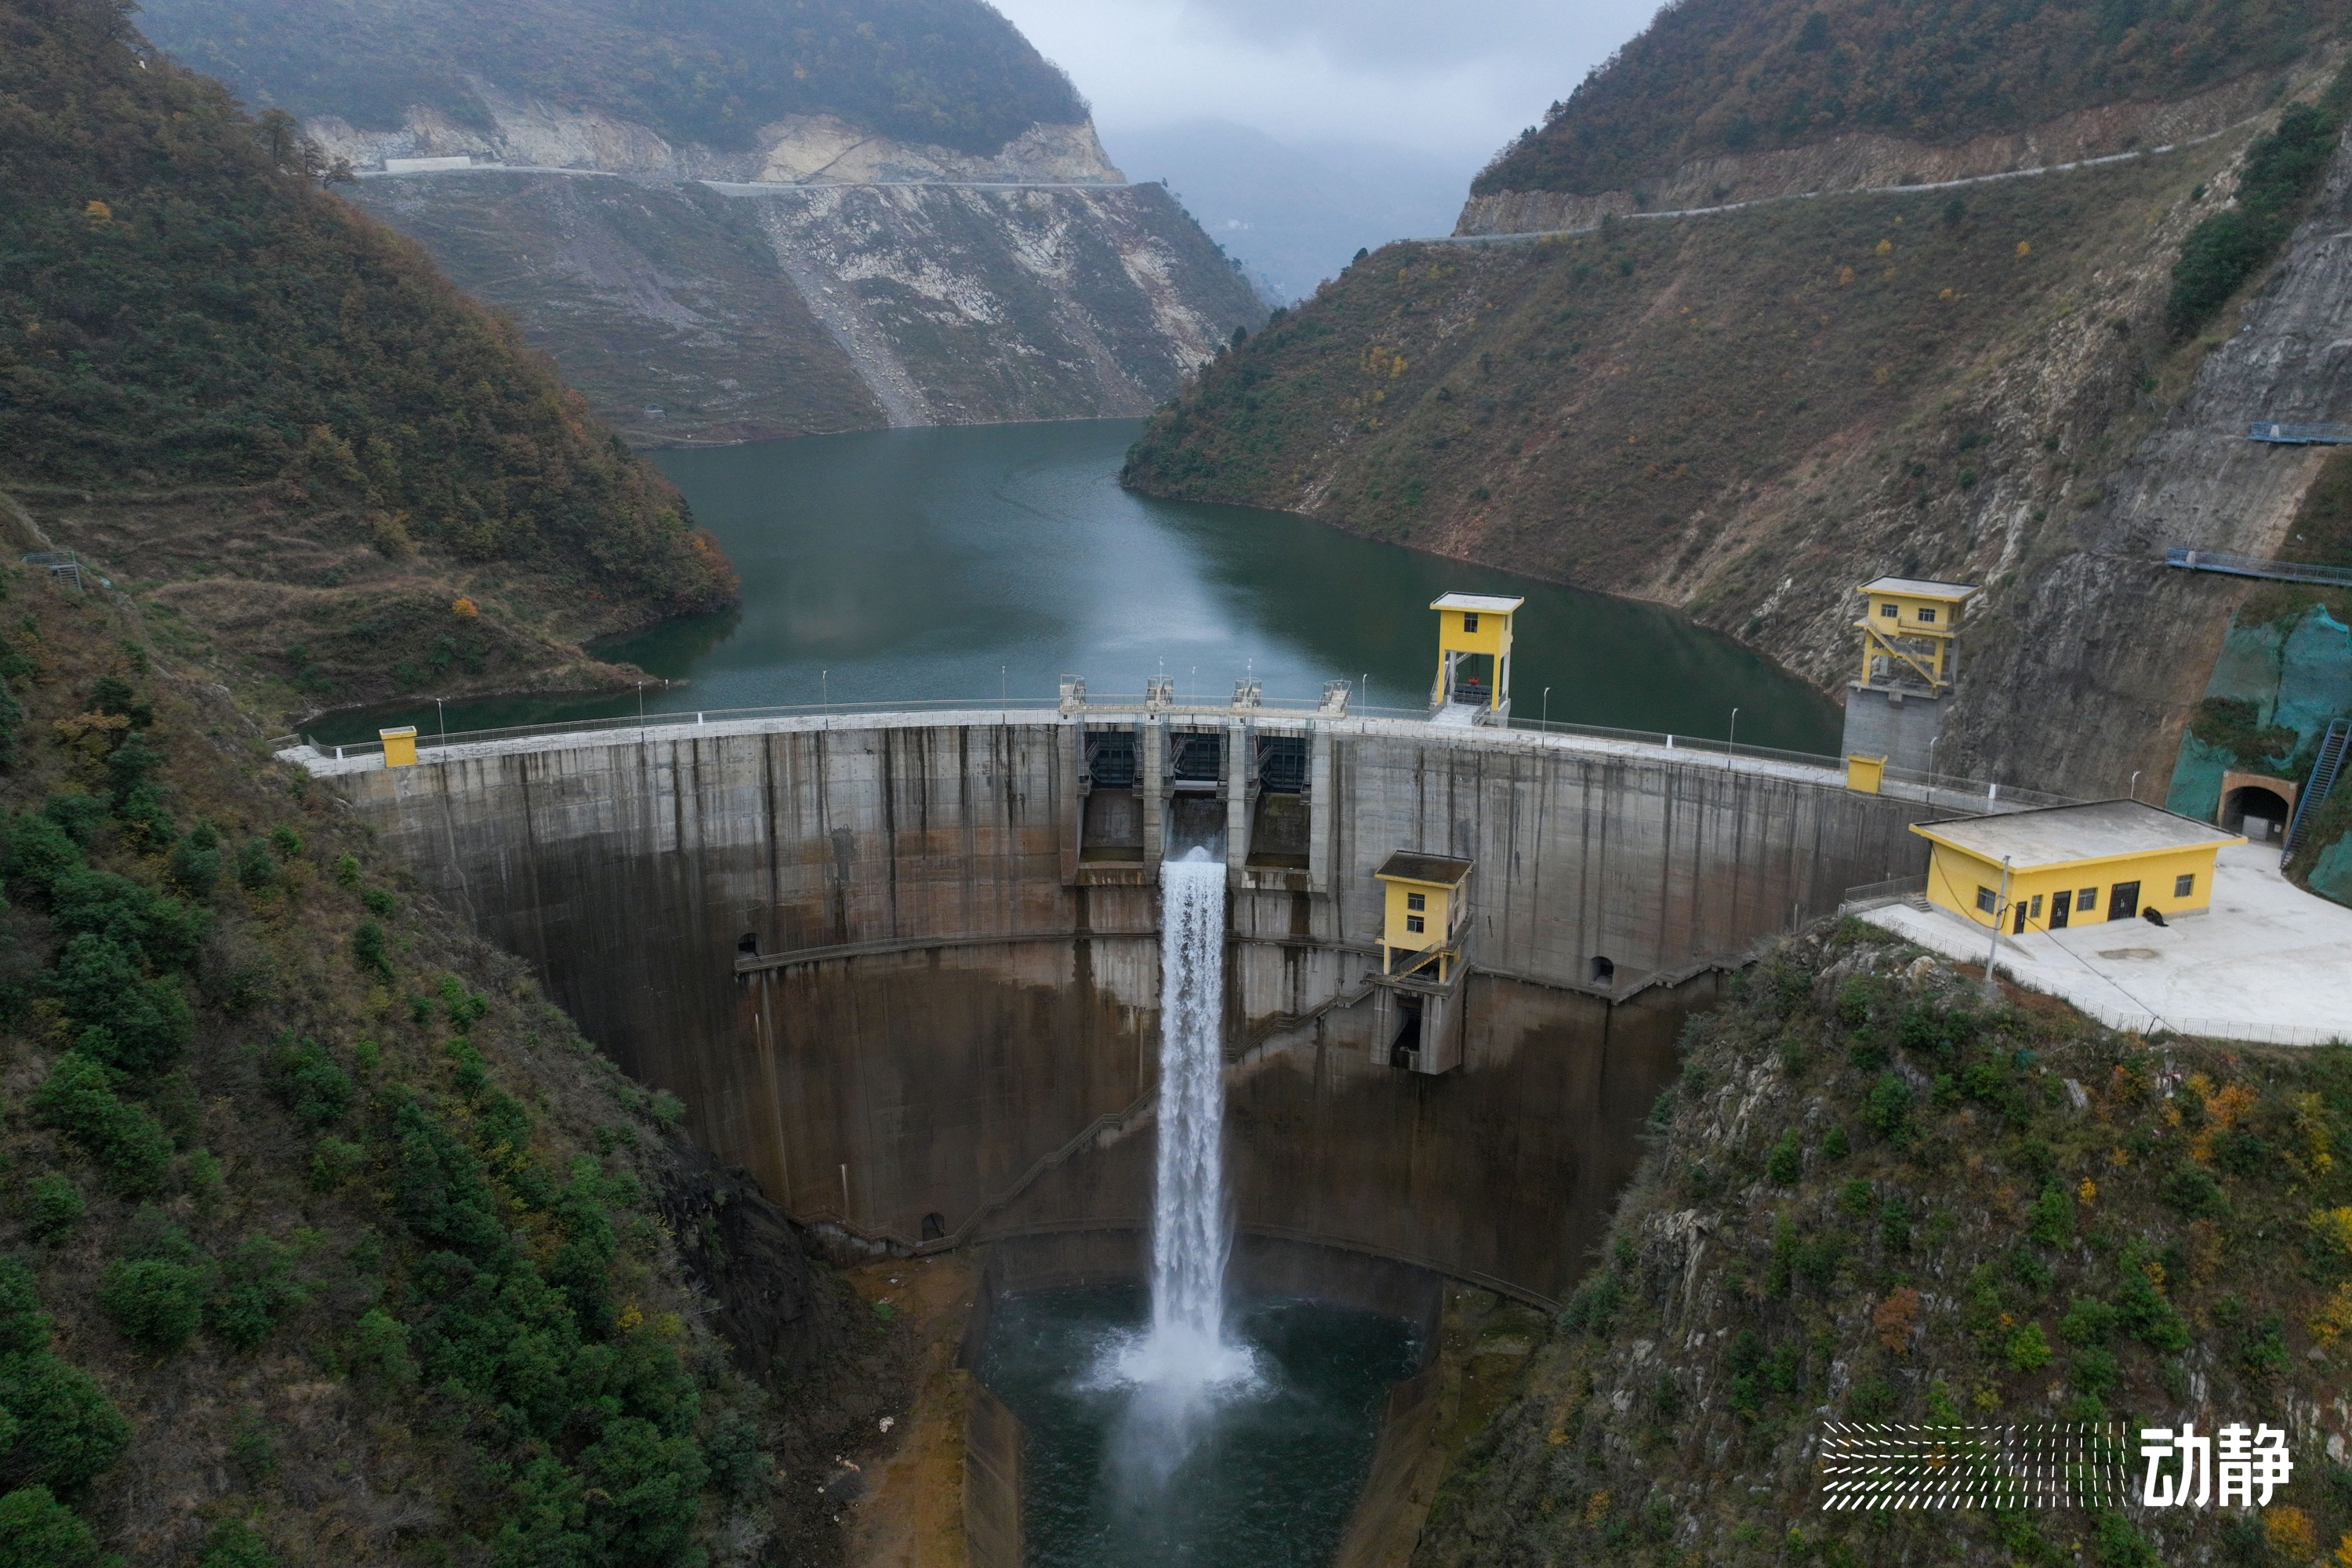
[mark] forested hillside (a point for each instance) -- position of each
(1874, 1198)
(952, 73)
(281, 391)
(1738, 76)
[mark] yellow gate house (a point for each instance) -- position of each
(2071, 864)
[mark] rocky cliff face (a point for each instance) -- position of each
(521, 130)
(693, 312)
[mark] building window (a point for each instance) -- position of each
(1469, 623)
(2087, 900)
(1416, 900)
(1988, 900)
(1415, 924)
(2033, 911)
(2184, 887)
(1890, 612)
(1926, 614)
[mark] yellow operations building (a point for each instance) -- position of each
(1428, 898)
(2071, 864)
(1473, 656)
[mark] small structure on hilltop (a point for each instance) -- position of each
(1425, 918)
(2071, 864)
(1910, 660)
(1474, 659)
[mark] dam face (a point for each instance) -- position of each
(905, 968)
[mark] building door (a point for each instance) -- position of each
(2123, 900)
(2059, 902)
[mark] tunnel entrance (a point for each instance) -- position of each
(2257, 811)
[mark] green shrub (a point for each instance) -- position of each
(24, 1327)
(257, 869)
(1895, 1226)
(380, 1348)
(2146, 1315)
(1786, 1162)
(125, 1141)
(1834, 1145)
(195, 862)
(2028, 1348)
(53, 1207)
(379, 901)
(285, 843)
(1888, 1109)
(232, 1543)
(2194, 1193)
(1872, 1398)
(1593, 1308)
(255, 1288)
(128, 1021)
(368, 950)
(309, 1082)
(2093, 1371)
(2087, 1322)
(2050, 1219)
(156, 1304)
(68, 1431)
(38, 1531)
(347, 871)
(334, 1160)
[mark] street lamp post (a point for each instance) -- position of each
(1732, 746)
(1547, 710)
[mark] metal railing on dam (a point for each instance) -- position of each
(1944, 792)
(897, 962)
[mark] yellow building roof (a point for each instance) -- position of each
(1483, 603)
(1918, 588)
(2066, 835)
(1437, 870)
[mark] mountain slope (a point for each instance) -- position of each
(836, 216)
(1877, 1198)
(266, 388)
(1713, 77)
(2015, 381)
(949, 72)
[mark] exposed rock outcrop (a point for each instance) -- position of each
(530, 132)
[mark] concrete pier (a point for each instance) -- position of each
(880, 960)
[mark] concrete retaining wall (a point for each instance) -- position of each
(949, 1027)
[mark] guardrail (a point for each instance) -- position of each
(2230, 565)
(1937, 791)
(1878, 895)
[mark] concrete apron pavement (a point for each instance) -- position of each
(2269, 962)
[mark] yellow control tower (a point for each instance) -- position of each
(1474, 659)
(1910, 630)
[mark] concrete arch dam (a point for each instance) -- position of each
(905, 967)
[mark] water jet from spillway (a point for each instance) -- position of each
(1184, 1360)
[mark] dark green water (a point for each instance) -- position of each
(968, 563)
(1269, 1479)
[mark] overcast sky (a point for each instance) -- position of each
(1454, 76)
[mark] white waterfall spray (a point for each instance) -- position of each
(1188, 1209)
(1183, 1358)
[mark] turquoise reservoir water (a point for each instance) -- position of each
(974, 562)
(1267, 1482)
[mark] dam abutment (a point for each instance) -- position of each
(904, 968)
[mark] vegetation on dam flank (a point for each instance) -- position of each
(274, 418)
(1876, 1197)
